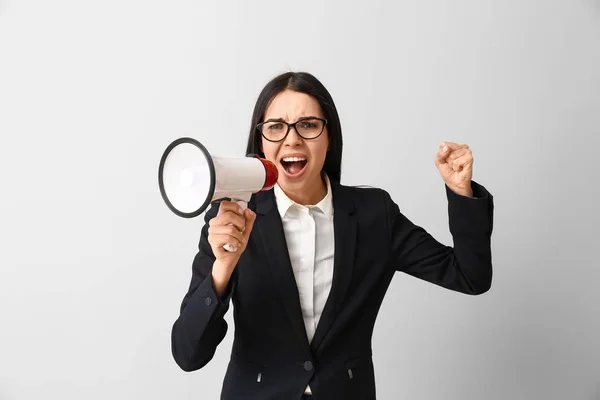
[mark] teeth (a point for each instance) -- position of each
(293, 159)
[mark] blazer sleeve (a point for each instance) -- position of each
(466, 267)
(200, 326)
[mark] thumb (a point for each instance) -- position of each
(442, 154)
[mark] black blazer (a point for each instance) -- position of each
(271, 357)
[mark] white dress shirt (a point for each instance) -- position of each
(310, 242)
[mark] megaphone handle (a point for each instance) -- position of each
(227, 246)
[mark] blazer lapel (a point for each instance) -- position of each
(273, 238)
(344, 227)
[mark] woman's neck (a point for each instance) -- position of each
(310, 195)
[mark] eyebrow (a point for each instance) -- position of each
(283, 120)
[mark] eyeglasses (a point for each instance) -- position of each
(307, 128)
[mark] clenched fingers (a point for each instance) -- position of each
(449, 151)
(231, 206)
(227, 231)
(458, 154)
(453, 146)
(462, 162)
(229, 218)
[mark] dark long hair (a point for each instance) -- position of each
(302, 82)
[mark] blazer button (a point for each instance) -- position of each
(308, 366)
(208, 301)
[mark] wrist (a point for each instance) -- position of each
(221, 274)
(466, 192)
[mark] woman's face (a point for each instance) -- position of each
(301, 177)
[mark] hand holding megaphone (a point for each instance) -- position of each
(190, 179)
(229, 231)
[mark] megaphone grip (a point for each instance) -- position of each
(228, 246)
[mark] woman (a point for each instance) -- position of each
(315, 258)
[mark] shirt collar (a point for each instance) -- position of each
(284, 202)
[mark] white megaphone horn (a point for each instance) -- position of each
(190, 178)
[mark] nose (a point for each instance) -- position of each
(292, 139)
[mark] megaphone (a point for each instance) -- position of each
(190, 178)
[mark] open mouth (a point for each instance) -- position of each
(294, 165)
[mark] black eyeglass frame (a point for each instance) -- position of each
(259, 126)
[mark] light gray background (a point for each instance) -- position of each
(93, 266)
